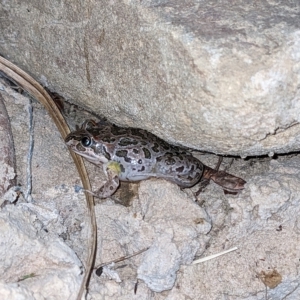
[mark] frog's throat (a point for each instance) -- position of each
(115, 167)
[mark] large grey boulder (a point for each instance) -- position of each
(222, 76)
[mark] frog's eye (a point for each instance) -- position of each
(86, 141)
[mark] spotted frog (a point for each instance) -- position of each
(130, 154)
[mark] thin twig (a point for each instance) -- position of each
(121, 258)
(136, 286)
(220, 159)
(197, 261)
(31, 275)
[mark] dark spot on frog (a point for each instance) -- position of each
(122, 168)
(138, 132)
(142, 169)
(106, 154)
(123, 153)
(164, 145)
(140, 161)
(136, 151)
(111, 188)
(108, 139)
(155, 148)
(180, 169)
(93, 131)
(170, 161)
(169, 154)
(127, 141)
(118, 131)
(147, 153)
(179, 155)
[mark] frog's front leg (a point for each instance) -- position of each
(112, 170)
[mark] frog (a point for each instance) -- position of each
(133, 154)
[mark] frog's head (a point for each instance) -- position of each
(83, 143)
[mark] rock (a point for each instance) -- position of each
(263, 223)
(219, 77)
(14, 291)
(34, 266)
(164, 219)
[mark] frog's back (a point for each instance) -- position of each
(142, 155)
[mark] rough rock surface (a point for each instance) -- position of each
(34, 264)
(7, 158)
(26, 251)
(264, 224)
(162, 218)
(216, 76)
